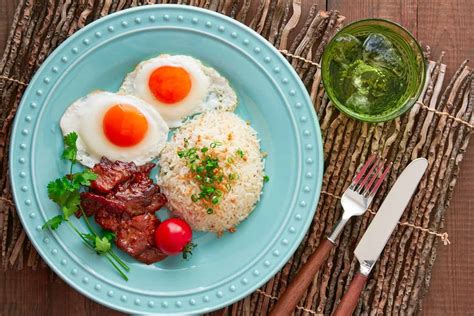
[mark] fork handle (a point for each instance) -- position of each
(293, 293)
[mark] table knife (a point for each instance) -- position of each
(377, 234)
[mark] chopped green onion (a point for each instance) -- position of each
(215, 200)
(266, 178)
(210, 190)
(200, 169)
(215, 144)
(205, 169)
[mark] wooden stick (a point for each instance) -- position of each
(341, 160)
(258, 14)
(420, 200)
(445, 139)
(281, 10)
(292, 22)
(386, 261)
(390, 285)
(242, 14)
(304, 30)
(268, 18)
(453, 168)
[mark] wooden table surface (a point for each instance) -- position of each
(444, 25)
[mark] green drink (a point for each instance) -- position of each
(373, 70)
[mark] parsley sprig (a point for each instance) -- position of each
(66, 193)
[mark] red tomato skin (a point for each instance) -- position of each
(172, 235)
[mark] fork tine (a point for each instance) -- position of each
(368, 176)
(362, 171)
(380, 180)
(373, 177)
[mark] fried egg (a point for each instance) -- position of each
(119, 127)
(179, 86)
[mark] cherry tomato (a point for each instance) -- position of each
(173, 236)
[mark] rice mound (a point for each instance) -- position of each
(233, 134)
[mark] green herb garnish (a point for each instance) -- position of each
(240, 153)
(102, 245)
(54, 222)
(215, 144)
(188, 250)
(266, 178)
(65, 192)
(204, 167)
(70, 148)
(215, 200)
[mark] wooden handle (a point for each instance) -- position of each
(349, 301)
(293, 293)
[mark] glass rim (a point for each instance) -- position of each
(408, 104)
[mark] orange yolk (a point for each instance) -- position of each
(124, 125)
(170, 84)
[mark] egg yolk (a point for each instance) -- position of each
(124, 125)
(170, 84)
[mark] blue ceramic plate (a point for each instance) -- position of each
(271, 97)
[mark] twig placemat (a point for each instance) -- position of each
(438, 127)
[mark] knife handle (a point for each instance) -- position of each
(293, 293)
(349, 301)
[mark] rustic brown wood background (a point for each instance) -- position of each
(444, 25)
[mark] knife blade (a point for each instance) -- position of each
(381, 227)
(377, 234)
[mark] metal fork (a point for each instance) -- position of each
(358, 196)
(355, 201)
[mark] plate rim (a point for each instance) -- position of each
(261, 40)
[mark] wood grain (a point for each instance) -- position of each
(403, 12)
(7, 9)
(448, 26)
(445, 25)
(453, 273)
(42, 293)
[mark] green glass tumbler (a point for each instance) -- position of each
(373, 70)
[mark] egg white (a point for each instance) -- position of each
(209, 90)
(85, 116)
